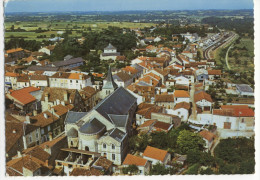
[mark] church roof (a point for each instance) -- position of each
(110, 84)
(92, 127)
(110, 46)
(73, 117)
(117, 103)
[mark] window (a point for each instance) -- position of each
(179, 113)
(113, 146)
(37, 135)
(140, 171)
(30, 138)
(243, 120)
(76, 81)
(49, 128)
(104, 146)
(113, 156)
(42, 131)
(70, 81)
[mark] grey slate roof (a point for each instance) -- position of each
(137, 67)
(117, 134)
(92, 127)
(110, 46)
(244, 88)
(68, 57)
(110, 84)
(118, 103)
(68, 62)
(111, 54)
(42, 68)
(119, 120)
(73, 117)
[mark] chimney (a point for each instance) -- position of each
(19, 154)
(80, 77)
(14, 131)
(63, 103)
(58, 101)
(34, 113)
(45, 115)
(50, 136)
(46, 97)
(27, 118)
(65, 95)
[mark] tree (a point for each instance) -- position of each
(193, 169)
(160, 169)
(188, 140)
(207, 171)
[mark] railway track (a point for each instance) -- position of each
(221, 42)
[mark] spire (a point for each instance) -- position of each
(110, 84)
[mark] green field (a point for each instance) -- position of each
(54, 27)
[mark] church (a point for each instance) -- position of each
(106, 128)
(110, 52)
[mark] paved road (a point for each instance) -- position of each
(192, 91)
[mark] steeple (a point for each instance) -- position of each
(110, 84)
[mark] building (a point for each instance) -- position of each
(208, 137)
(47, 50)
(156, 155)
(182, 110)
(66, 97)
(69, 63)
(39, 81)
(181, 96)
(106, 128)
(110, 52)
(90, 96)
(122, 79)
(244, 90)
(164, 100)
(203, 100)
(143, 164)
(26, 99)
(201, 75)
(70, 80)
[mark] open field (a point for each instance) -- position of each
(54, 27)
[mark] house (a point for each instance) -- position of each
(19, 136)
(142, 164)
(66, 97)
(31, 164)
(26, 99)
(161, 126)
(121, 59)
(47, 70)
(110, 52)
(69, 63)
(123, 79)
(90, 96)
(40, 81)
(145, 110)
(203, 100)
(182, 110)
(201, 75)
(156, 155)
(81, 171)
(181, 96)
(104, 165)
(208, 137)
(244, 90)
(47, 49)
(164, 100)
(182, 80)
(17, 53)
(132, 71)
(214, 74)
(167, 118)
(163, 74)
(11, 80)
(70, 80)
(23, 81)
(106, 128)
(147, 126)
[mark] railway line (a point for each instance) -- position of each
(223, 40)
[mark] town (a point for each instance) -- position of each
(129, 98)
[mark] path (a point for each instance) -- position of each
(227, 57)
(192, 91)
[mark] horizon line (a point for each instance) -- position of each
(125, 10)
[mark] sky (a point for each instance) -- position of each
(122, 5)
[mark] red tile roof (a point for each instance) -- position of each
(23, 95)
(181, 93)
(207, 135)
(214, 72)
(134, 160)
(14, 50)
(155, 153)
(202, 95)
